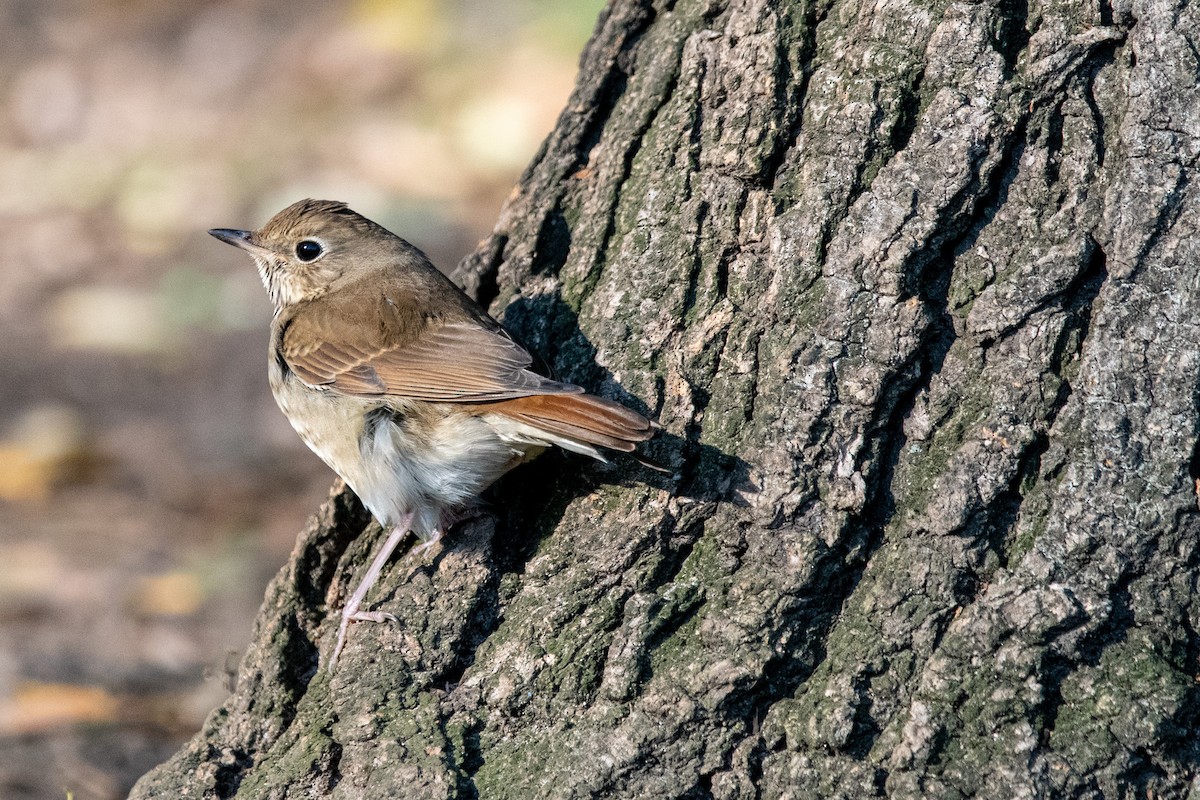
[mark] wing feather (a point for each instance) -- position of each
(455, 362)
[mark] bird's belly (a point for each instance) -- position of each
(331, 426)
(402, 457)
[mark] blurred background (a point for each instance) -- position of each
(149, 488)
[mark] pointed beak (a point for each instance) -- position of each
(235, 237)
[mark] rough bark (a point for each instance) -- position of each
(913, 289)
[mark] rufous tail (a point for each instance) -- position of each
(582, 418)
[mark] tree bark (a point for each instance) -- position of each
(913, 289)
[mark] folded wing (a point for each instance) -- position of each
(469, 361)
(451, 363)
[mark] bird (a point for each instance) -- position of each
(401, 383)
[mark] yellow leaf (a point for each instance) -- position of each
(37, 706)
(171, 594)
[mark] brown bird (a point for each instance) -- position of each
(401, 383)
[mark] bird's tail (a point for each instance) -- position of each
(578, 422)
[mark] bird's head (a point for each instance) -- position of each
(304, 249)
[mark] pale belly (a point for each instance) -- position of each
(399, 457)
(331, 427)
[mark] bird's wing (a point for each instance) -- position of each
(464, 361)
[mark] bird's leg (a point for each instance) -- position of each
(351, 610)
(422, 550)
(448, 518)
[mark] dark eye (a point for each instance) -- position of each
(308, 250)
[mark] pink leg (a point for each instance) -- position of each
(351, 610)
(422, 550)
(448, 519)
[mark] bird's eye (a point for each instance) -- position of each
(308, 250)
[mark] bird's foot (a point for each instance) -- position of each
(356, 616)
(422, 550)
(453, 516)
(341, 642)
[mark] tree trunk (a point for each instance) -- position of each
(912, 289)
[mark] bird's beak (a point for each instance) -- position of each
(241, 239)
